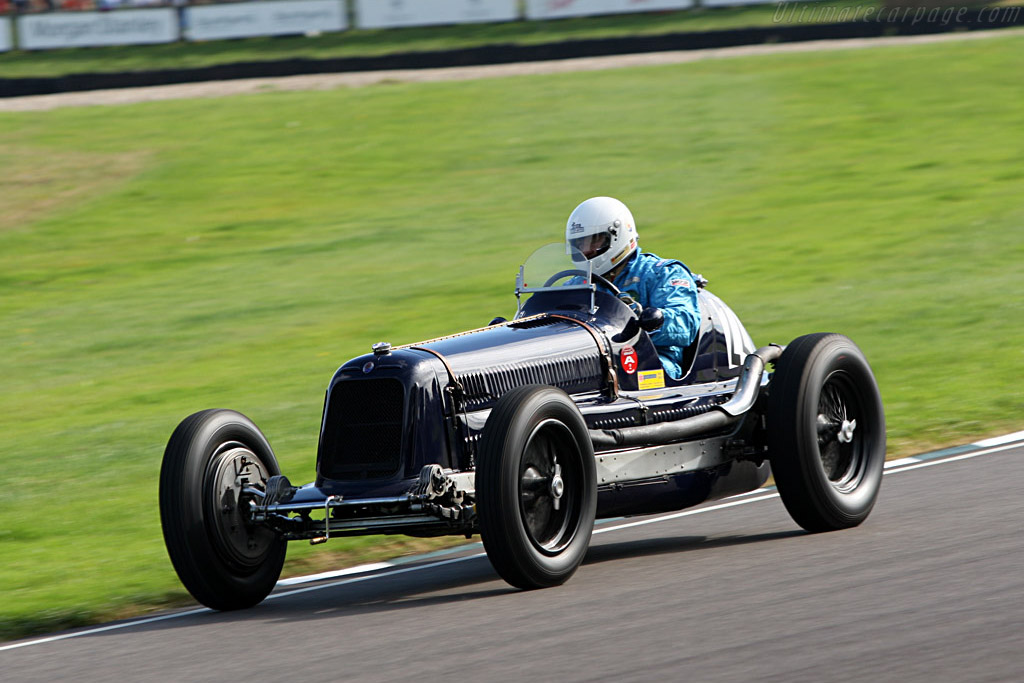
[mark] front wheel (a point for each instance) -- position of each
(224, 560)
(826, 432)
(536, 487)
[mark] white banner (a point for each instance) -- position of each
(728, 3)
(91, 29)
(390, 13)
(247, 19)
(5, 34)
(556, 9)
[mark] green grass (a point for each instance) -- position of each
(161, 258)
(357, 43)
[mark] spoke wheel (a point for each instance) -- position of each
(826, 432)
(840, 445)
(536, 487)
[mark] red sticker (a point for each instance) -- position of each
(628, 358)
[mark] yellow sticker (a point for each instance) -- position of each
(651, 379)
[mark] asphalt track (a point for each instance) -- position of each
(930, 588)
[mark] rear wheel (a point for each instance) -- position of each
(536, 487)
(826, 432)
(223, 560)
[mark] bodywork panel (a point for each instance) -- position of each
(390, 414)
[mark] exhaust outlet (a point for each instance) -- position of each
(717, 418)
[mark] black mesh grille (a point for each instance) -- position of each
(363, 432)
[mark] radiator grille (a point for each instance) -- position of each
(363, 430)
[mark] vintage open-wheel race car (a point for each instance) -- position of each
(526, 431)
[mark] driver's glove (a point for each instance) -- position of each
(651, 319)
(629, 301)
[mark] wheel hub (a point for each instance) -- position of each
(846, 431)
(557, 486)
(235, 469)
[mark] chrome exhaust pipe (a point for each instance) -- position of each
(716, 419)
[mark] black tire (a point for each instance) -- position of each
(224, 562)
(530, 543)
(826, 432)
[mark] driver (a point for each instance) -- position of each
(602, 229)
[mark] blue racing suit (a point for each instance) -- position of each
(666, 284)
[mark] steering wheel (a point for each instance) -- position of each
(600, 279)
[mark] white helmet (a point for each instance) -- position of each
(603, 231)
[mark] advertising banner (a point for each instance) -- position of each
(556, 9)
(727, 3)
(92, 29)
(391, 13)
(5, 34)
(248, 19)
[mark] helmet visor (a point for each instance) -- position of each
(592, 245)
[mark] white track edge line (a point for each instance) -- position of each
(955, 458)
(890, 464)
(359, 569)
(357, 579)
(686, 513)
(108, 627)
(1000, 440)
(404, 570)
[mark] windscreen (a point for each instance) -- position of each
(555, 265)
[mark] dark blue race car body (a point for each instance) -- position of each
(526, 431)
(435, 398)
